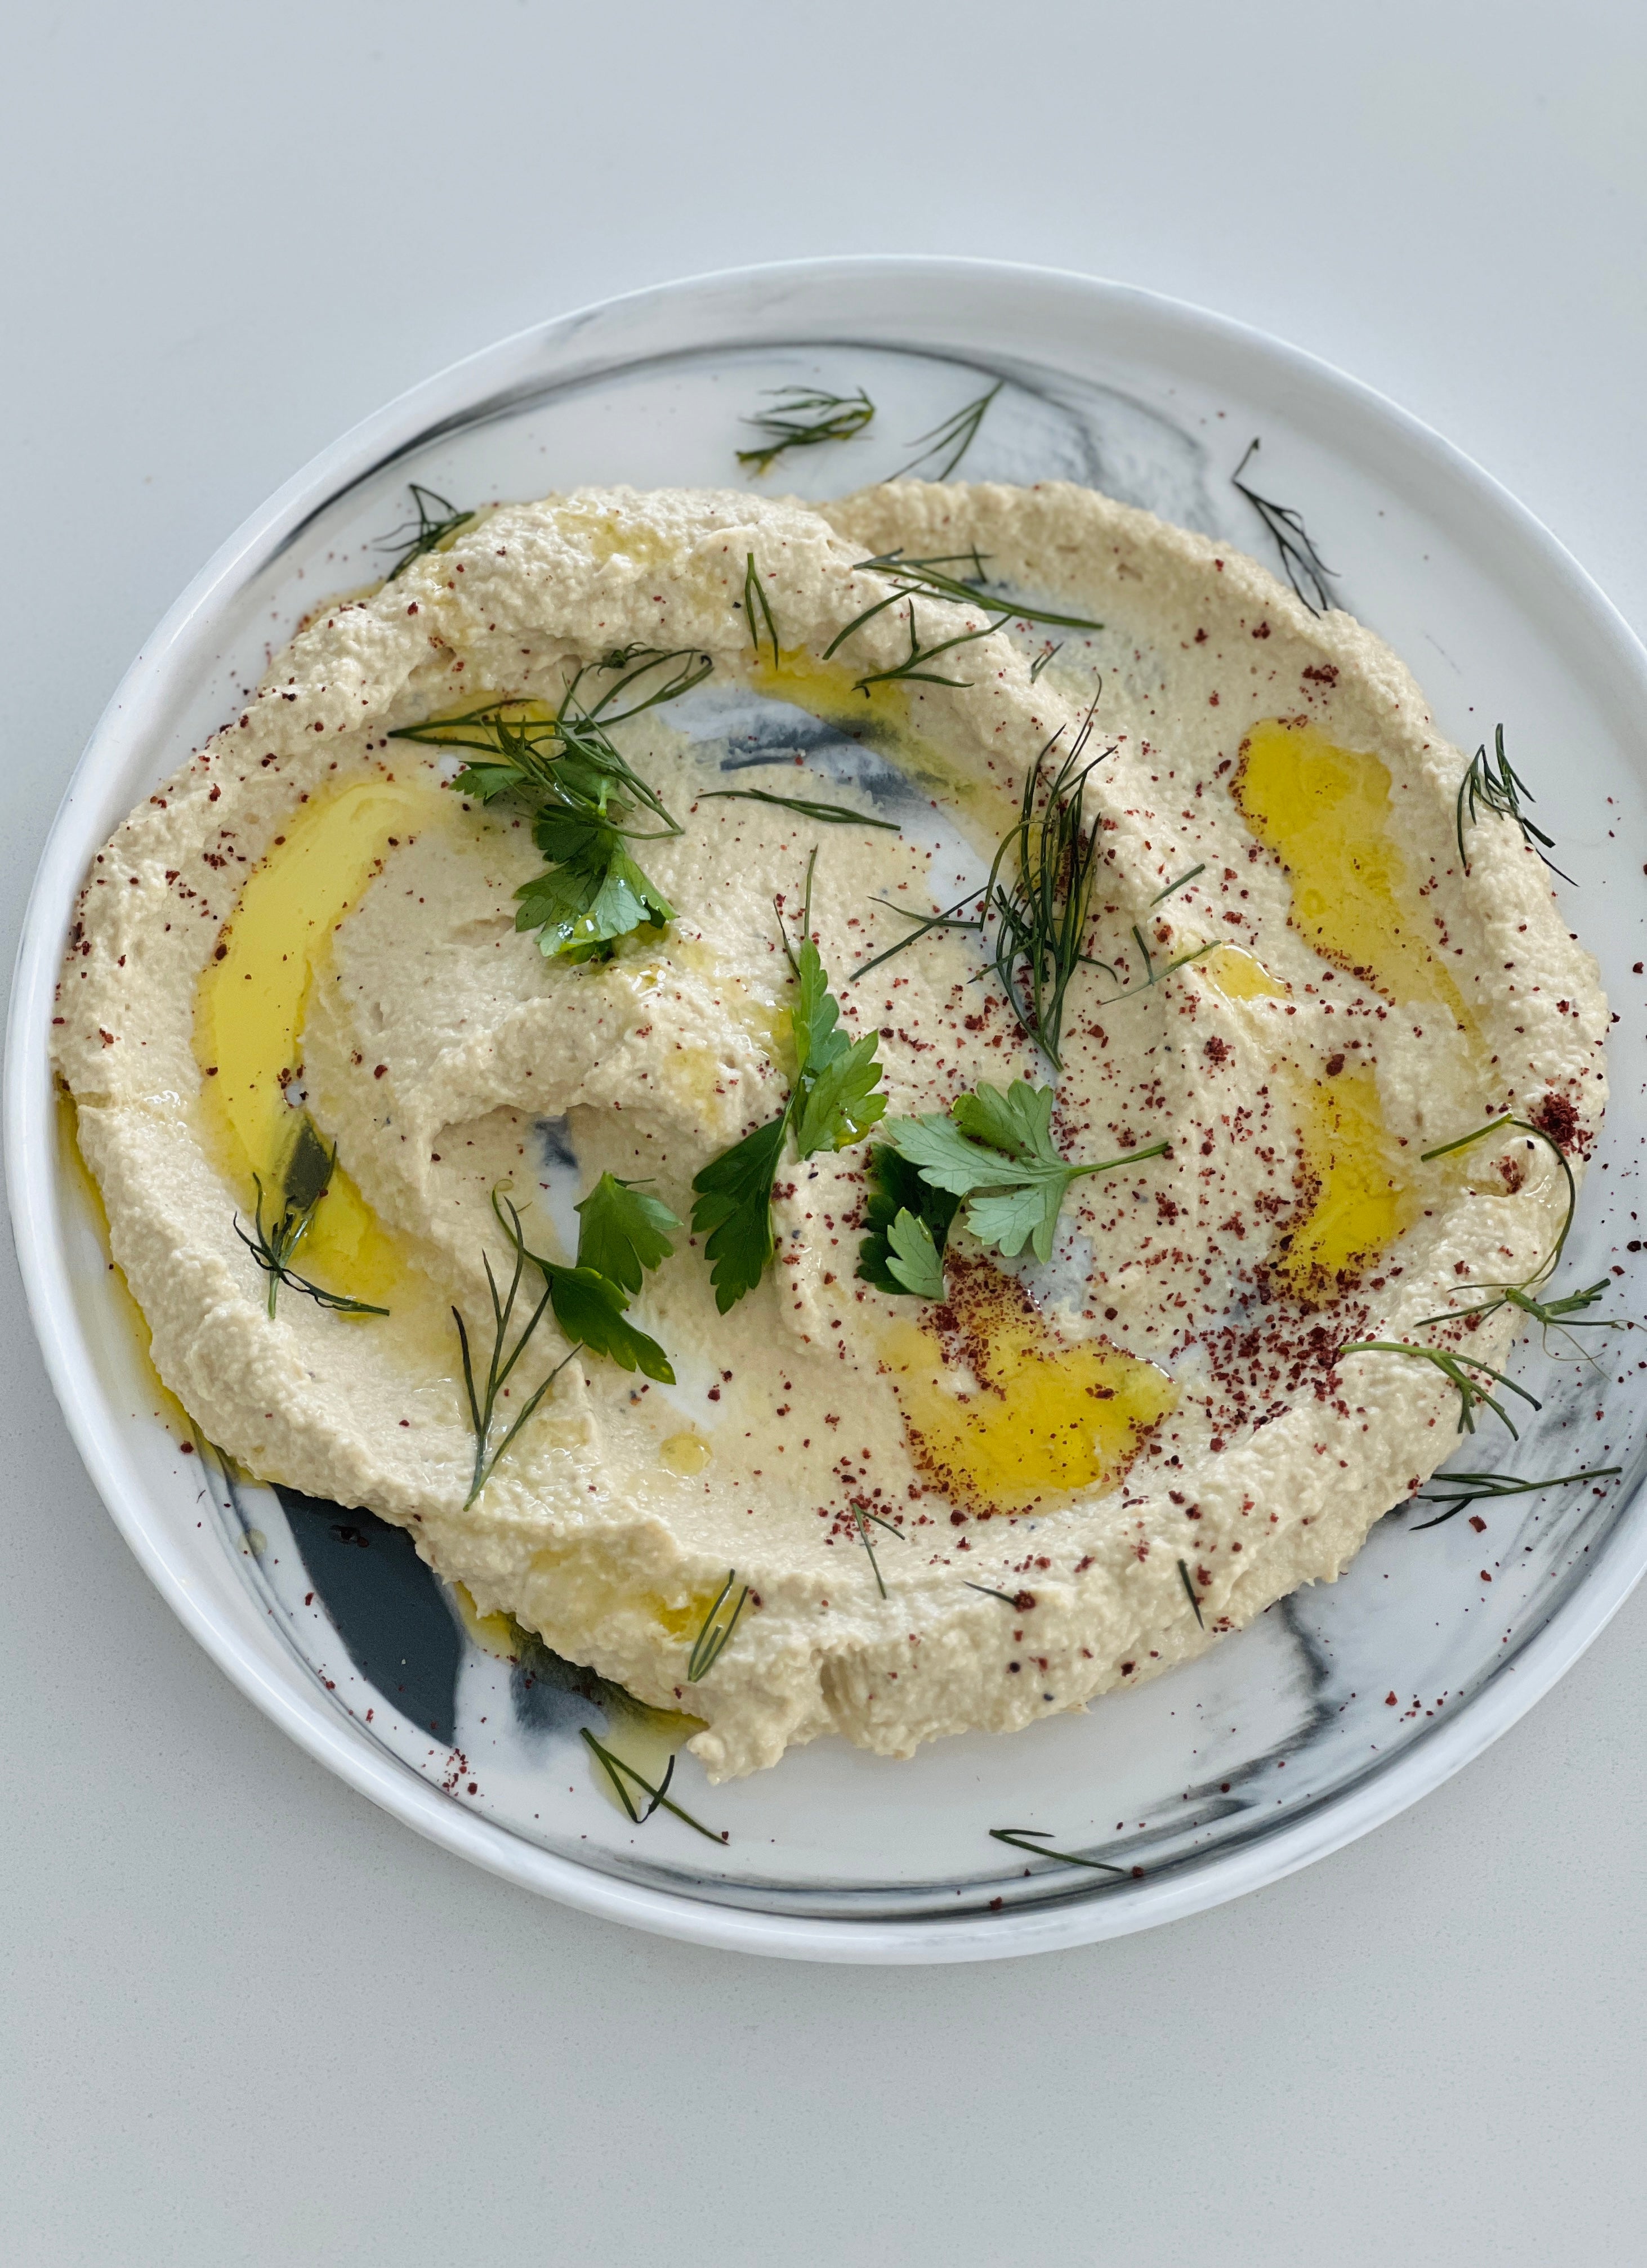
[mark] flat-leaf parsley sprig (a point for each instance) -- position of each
(436, 519)
(834, 1102)
(586, 797)
(996, 1152)
(906, 1223)
(622, 1229)
(804, 417)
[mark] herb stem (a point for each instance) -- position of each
(617, 1771)
(1028, 1838)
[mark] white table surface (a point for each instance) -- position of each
(245, 2018)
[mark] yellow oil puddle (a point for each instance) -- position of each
(1241, 976)
(999, 1411)
(1324, 812)
(1359, 1202)
(78, 1176)
(637, 1734)
(251, 1007)
(686, 1453)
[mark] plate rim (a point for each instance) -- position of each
(34, 1193)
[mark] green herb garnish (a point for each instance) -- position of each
(429, 531)
(829, 814)
(1033, 909)
(1016, 1600)
(714, 1638)
(307, 1179)
(833, 1103)
(926, 577)
(952, 439)
(858, 1514)
(1462, 1372)
(1298, 555)
(620, 1773)
(623, 1230)
(1499, 790)
(756, 602)
(584, 797)
(1477, 1488)
(1189, 1593)
(897, 1195)
(911, 669)
(1183, 883)
(802, 418)
(995, 1150)
(617, 1222)
(1031, 1840)
(483, 1402)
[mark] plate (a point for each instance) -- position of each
(1332, 1712)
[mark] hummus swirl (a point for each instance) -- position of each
(950, 1514)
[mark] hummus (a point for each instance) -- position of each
(952, 1513)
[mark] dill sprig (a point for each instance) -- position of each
(1152, 975)
(1463, 1373)
(1033, 909)
(802, 417)
(912, 670)
(951, 438)
(831, 814)
(307, 1177)
(833, 1103)
(1300, 558)
(1491, 782)
(428, 531)
(863, 1534)
(1183, 883)
(483, 1403)
(926, 577)
(619, 1773)
(713, 1639)
(1189, 1593)
(1031, 1840)
(1547, 1266)
(755, 597)
(1479, 1488)
(1016, 1600)
(1048, 654)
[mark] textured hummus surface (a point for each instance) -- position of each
(1241, 1003)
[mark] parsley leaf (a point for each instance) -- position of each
(896, 1188)
(996, 1151)
(586, 799)
(597, 894)
(623, 1230)
(734, 1211)
(914, 1257)
(589, 1309)
(833, 1103)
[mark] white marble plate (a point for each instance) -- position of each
(1333, 1710)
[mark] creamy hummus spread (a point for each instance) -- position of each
(1058, 1471)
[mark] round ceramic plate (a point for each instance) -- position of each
(1334, 1710)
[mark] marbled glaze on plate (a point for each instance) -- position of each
(1338, 1705)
